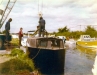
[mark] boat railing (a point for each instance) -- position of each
(50, 48)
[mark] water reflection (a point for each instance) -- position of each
(90, 53)
(79, 61)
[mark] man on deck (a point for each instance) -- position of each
(41, 27)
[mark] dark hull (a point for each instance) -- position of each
(49, 62)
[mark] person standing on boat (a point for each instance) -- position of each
(41, 26)
(7, 30)
(64, 39)
(20, 35)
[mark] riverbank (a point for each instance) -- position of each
(12, 63)
(4, 58)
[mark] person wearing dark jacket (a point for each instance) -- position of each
(7, 30)
(42, 26)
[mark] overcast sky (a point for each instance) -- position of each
(57, 13)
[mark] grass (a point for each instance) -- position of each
(19, 64)
(15, 41)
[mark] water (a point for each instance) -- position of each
(79, 61)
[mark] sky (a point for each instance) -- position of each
(75, 14)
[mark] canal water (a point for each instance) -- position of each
(79, 60)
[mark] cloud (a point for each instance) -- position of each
(1, 6)
(93, 9)
(57, 13)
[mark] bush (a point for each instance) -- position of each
(15, 41)
(17, 52)
(13, 66)
(19, 63)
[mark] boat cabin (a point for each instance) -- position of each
(45, 43)
(86, 38)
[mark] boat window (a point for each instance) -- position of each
(87, 36)
(42, 43)
(55, 43)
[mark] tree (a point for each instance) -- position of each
(61, 30)
(90, 31)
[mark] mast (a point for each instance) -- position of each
(6, 12)
(40, 8)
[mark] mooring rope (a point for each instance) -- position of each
(36, 54)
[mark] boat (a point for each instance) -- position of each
(48, 54)
(87, 41)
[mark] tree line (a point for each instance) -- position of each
(76, 34)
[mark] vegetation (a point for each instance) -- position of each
(76, 34)
(15, 41)
(19, 63)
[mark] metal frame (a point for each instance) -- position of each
(6, 12)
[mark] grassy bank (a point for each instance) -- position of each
(15, 41)
(16, 63)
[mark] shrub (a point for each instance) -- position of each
(13, 66)
(15, 41)
(17, 52)
(17, 64)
